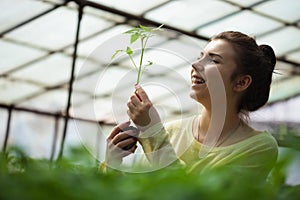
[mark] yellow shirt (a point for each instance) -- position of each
(175, 142)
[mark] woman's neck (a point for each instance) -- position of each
(230, 123)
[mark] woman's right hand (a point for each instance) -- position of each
(141, 111)
(119, 139)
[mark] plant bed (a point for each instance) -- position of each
(24, 178)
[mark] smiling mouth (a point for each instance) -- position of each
(197, 80)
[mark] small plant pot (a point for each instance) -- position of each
(126, 148)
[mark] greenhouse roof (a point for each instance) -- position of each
(38, 39)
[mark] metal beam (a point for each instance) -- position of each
(51, 114)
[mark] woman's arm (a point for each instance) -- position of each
(153, 137)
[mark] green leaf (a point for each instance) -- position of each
(132, 31)
(134, 37)
(147, 29)
(116, 53)
(129, 51)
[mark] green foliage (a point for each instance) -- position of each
(287, 137)
(141, 33)
(28, 178)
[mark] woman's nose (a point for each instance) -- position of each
(198, 66)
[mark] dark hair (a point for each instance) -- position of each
(256, 61)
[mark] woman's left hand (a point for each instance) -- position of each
(141, 111)
(118, 139)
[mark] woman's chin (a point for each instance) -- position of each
(193, 95)
(198, 96)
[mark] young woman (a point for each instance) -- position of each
(220, 135)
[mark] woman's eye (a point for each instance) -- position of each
(214, 61)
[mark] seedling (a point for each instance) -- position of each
(141, 33)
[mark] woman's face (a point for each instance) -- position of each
(216, 61)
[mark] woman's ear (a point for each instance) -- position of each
(242, 82)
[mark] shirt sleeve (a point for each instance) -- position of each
(157, 147)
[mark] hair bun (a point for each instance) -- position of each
(269, 55)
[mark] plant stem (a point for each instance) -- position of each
(132, 61)
(140, 71)
(141, 62)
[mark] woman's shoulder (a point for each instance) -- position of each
(261, 150)
(262, 141)
(264, 137)
(257, 141)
